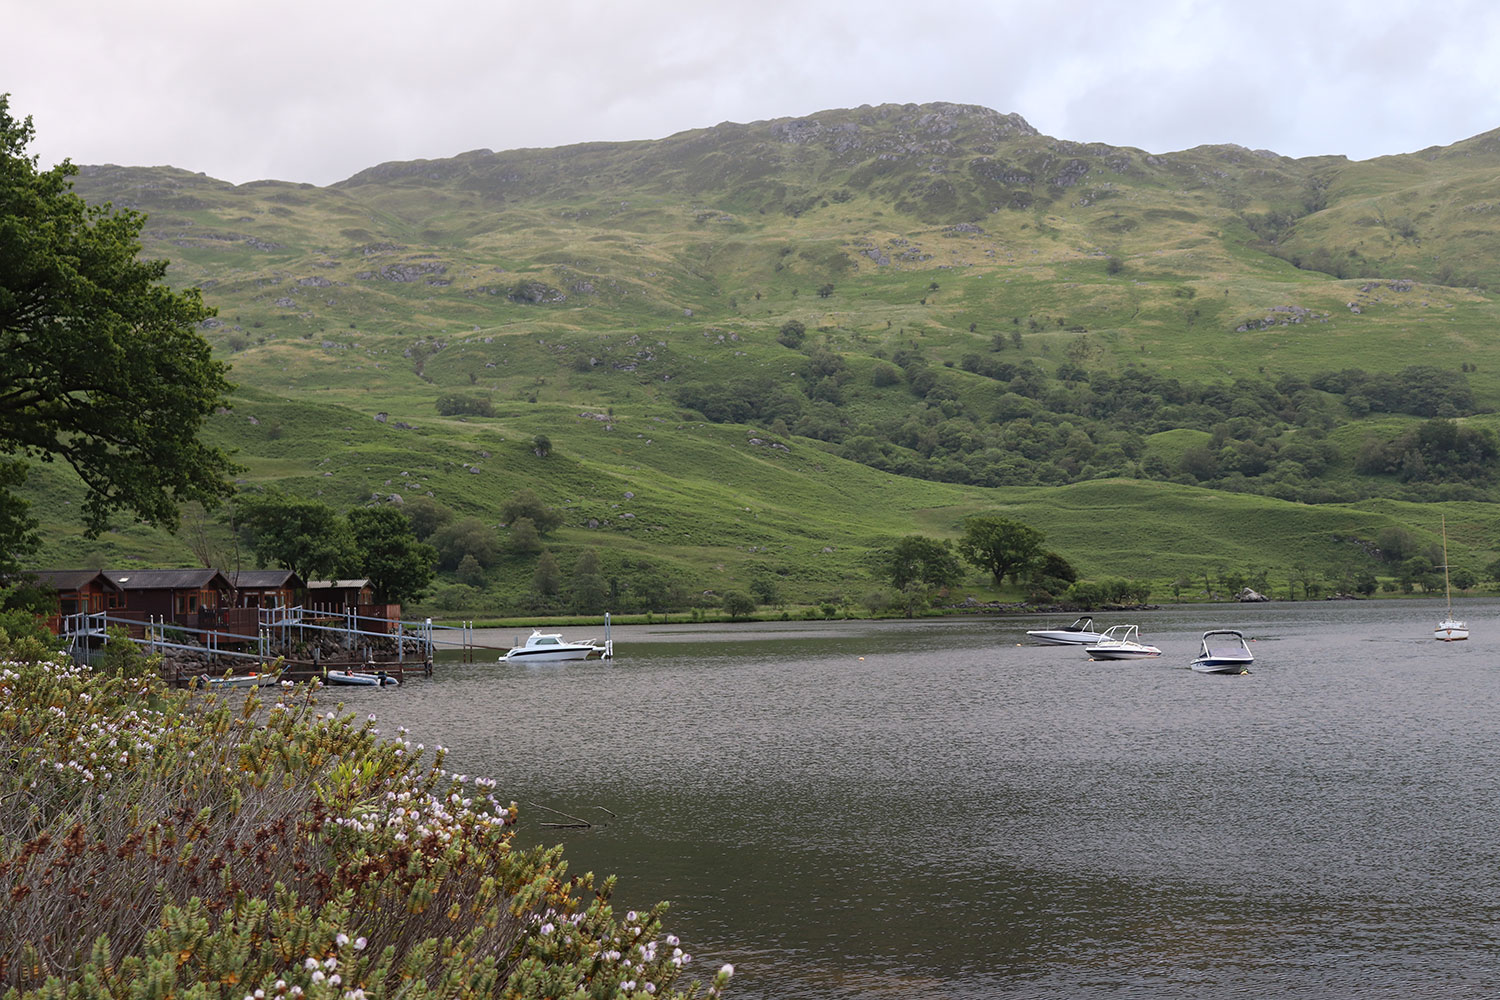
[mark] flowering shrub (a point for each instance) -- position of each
(161, 844)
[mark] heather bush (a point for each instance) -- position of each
(166, 844)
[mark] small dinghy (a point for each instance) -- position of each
(360, 678)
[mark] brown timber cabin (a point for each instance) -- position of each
(192, 598)
(80, 591)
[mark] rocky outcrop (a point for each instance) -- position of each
(1248, 596)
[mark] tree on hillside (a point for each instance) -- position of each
(527, 504)
(925, 561)
(738, 604)
(588, 589)
(468, 536)
(399, 567)
(1001, 546)
(307, 537)
(427, 516)
(100, 363)
(524, 539)
(546, 579)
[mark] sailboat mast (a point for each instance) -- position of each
(1447, 591)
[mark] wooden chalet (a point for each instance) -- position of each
(79, 591)
(336, 595)
(265, 588)
(192, 598)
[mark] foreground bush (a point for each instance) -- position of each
(162, 844)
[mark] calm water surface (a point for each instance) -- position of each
(936, 809)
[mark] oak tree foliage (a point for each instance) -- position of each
(1001, 546)
(101, 364)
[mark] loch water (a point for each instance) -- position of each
(938, 809)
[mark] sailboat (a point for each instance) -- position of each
(1450, 629)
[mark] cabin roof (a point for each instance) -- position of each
(167, 579)
(72, 579)
(253, 578)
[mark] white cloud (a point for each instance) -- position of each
(318, 89)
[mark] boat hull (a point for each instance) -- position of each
(360, 680)
(1108, 653)
(1063, 638)
(1220, 665)
(553, 655)
(1452, 633)
(236, 681)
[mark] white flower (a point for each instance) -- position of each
(359, 944)
(726, 970)
(341, 940)
(318, 976)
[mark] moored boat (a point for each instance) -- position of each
(1450, 629)
(549, 647)
(1080, 633)
(360, 678)
(1224, 651)
(1121, 642)
(236, 680)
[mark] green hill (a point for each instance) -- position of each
(1218, 359)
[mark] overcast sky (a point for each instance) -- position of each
(316, 90)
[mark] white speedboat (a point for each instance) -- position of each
(1121, 642)
(549, 647)
(1080, 633)
(1225, 651)
(1450, 629)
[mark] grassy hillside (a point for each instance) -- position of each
(978, 302)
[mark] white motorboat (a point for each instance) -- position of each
(1080, 633)
(1450, 629)
(549, 647)
(1121, 642)
(360, 678)
(1224, 651)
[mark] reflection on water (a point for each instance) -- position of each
(935, 809)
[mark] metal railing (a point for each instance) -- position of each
(277, 627)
